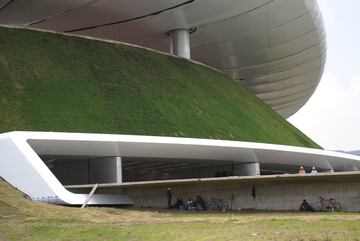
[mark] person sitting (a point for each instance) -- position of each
(189, 204)
(302, 170)
(305, 206)
(200, 204)
(178, 204)
(314, 171)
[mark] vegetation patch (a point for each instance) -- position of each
(55, 82)
(28, 220)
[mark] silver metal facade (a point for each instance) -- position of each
(277, 48)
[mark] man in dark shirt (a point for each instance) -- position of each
(305, 206)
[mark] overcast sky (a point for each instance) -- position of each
(332, 115)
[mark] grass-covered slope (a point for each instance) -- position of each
(22, 219)
(52, 82)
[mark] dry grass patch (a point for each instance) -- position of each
(23, 219)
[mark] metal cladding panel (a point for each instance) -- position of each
(105, 11)
(267, 42)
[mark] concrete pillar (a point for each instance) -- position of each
(119, 176)
(105, 170)
(180, 43)
(247, 169)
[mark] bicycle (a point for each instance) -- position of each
(328, 204)
(217, 204)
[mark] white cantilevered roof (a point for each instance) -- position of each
(277, 48)
(22, 167)
(75, 144)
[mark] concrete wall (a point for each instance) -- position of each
(105, 170)
(99, 170)
(179, 173)
(246, 169)
(269, 196)
(71, 172)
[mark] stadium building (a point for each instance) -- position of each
(179, 92)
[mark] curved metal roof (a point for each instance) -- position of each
(277, 48)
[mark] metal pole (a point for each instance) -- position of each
(180, 43)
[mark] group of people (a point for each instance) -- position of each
(191, 205)
(313, 171)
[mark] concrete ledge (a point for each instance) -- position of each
(321, 177)
(274, 192)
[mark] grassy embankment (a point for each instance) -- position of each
(22, 219)
(52, 82)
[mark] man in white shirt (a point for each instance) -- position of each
(313, 171)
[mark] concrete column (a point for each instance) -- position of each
(119, 175)
(105, 170)
(180, 43)
(247, 169)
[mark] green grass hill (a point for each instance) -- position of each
(23, 219)
(55, 82)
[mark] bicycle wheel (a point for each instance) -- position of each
(317, 206)
(337, 206)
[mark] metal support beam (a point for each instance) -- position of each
(180, 43)
(90, 195)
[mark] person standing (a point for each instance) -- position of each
(169, 196)
(314, 171)
(302, 170)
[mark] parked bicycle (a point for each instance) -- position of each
(217, 204)
(327, 205)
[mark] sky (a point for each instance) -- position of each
(332, 115)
